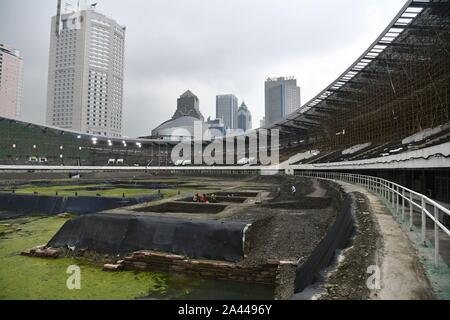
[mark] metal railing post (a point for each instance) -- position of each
(436, 237)
(424, 221)
(386, 191)
(403, 204)
(391, 191)
(411, 210)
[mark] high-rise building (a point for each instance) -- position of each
(226, 109)
(282, 98)
(188, 105)
(244, 118)
(85, 78)
(11, 79)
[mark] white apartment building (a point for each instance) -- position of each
(85, 78)
(11, 81)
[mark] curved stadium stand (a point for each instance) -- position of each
(387, 115)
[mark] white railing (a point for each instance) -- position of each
(403, 201)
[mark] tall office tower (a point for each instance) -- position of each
(244, 118)
(85, 78)
(282, 98)
(226, 109)
(11, 79)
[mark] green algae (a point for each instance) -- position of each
(80, 190)
(36, 278)
(26, 278)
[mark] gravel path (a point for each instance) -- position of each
(319, 192)
(379, 242)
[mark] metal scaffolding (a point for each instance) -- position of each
(398, 87)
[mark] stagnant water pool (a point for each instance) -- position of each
(35, 278)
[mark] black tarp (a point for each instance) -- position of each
(121, 234)
(53, 205)
(337, 238)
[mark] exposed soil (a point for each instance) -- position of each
(218, 199)
(287, 234)
(348, 282)
(305, 203)
(182, 207)
(287, 227)
(237, 194)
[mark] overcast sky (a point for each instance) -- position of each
(208, 46)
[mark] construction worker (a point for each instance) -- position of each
(195, 198)
(294, 190)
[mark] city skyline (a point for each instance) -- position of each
(151, 84)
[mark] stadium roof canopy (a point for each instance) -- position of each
(81, 135)
(417, 28)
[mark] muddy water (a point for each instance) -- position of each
(36, 279)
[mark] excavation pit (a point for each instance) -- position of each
(239, 194)
(219, 199)
(184, 207)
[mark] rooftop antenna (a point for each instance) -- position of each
(58, 18)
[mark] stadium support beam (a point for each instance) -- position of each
(292, 128)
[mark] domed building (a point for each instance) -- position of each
(182, 124)
(177, 129)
